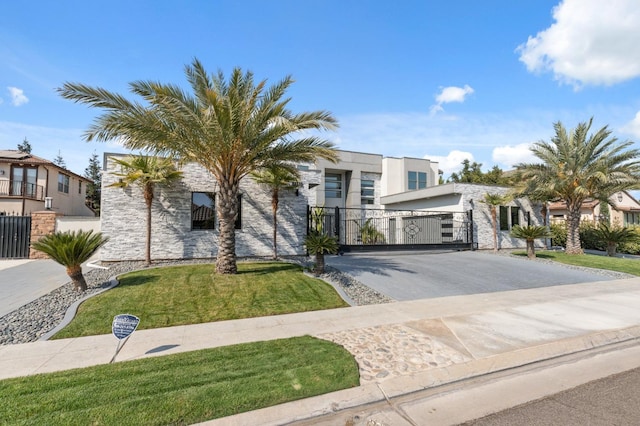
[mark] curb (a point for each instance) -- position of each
(73, 309)
(372, 393)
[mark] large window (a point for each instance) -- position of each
(63, 183)
(203, 210)
(239, 218)
(417, 180)
(332, 185)
(367, 192)
(509, 217)
(24, 181)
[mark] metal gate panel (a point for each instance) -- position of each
(15, 236)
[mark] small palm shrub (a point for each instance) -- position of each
(612, 235)
(589, 238)
(318, 244)
(369, 234)
(530, 233)
(71, 250)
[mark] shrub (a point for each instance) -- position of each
(558, 234)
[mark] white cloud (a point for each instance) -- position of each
(591, 43)
(450, 94)
(507, 156)
(633, 127)
(17, 96)
(452, 162)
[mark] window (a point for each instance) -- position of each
(63, 183)
(509, 217)
(24, 181)
(367, 192)
(417, 180)
(332, 185)
(203, 211)
(239, 217)
(80, 187)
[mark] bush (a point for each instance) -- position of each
(558, 234)
(589, 238)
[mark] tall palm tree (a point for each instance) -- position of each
(71, 250)
(231, 127)
(146, 172)
(276, 177)
(576, 166)
(494, 200)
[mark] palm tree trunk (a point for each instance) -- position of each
(573, 229)
(319, 263)
(227, 211)
(75, 273)
(611, 248)
(531, 251)
(494, 224)
(274, 205)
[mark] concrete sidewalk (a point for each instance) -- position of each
(423, 343)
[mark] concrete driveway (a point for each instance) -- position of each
(411, 276)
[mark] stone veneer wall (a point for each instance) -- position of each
(483, 234)
(42, 223)
(123, 220)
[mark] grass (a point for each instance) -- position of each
(192, 294)
(629, 266)
(183, 388)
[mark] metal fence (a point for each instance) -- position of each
(371, 229)
(15, 236)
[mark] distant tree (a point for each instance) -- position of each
(71, 250)
(146, 172)
(575, 166)
(472, 173)
(276, 177)
(94, 188)
(59, 161)
(25, 146)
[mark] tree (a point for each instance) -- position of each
(71, 250)
(472, 173)
(231, 127)
(318, 244)
(146, 172)
(277, 177)
(25, 146)
(530, 234)
(59, 161)
(493, 200)
(576, 166)
(611, 236)
(94, 188)
(369, 234)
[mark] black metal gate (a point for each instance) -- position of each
(15, 236)
(380, 229)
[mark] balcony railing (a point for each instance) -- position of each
(21, 190)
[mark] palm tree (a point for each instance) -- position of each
(276, 177)
(231, 127)
(146, 172)
(318, 244)
(71, 250)
(530, 233)
(369, 234)
(576, 166)
(493, 200)
(614, 235)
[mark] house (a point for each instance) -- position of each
(29, 183)
(623, 209)
(397, 200)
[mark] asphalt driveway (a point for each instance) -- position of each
(411, 276)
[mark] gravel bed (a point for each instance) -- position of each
(31, 321)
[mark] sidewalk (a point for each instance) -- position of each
(401, 347)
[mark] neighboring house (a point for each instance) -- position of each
(185, 225)
(624, 210)
(28, 182)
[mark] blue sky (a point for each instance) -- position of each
(442, 80)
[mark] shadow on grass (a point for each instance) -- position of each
(268, 268)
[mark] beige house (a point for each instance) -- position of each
(29, 183)
(624, 209)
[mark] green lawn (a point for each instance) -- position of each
(183, 388)
(193, 294)
(629, 266)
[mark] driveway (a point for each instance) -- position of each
(411, 276)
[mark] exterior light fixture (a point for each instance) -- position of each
(47, 203)
(619, 197)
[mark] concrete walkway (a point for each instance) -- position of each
(401, 347)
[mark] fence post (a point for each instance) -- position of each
(337, 224)
(42, 223)
(470, 228)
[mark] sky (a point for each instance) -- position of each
(443, 80)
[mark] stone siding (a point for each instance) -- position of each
(43, 223)
(123, 220)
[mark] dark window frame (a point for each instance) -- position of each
(209, 222)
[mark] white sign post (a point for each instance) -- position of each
(123, 326)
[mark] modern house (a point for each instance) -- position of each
(364, 199)
(29, 183)
(623, 209)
